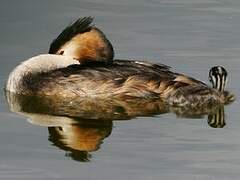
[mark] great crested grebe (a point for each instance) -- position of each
(98, 75)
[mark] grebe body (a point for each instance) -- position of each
(80, 64)
(120, 79)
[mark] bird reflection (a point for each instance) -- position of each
(80, 126)
(78, 140)
(217, 119)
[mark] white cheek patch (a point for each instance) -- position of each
(214, 81)
(69, 50)
(220, 70)
(218, 82)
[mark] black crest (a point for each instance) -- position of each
(79, 26)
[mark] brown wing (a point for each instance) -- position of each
(122, 78)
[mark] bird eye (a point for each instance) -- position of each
(60, 128)
(61, 52)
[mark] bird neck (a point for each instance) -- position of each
(37, 64)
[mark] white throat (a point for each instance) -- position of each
(40, 63)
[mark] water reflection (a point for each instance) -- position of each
(79, 126)
(217, 119)
(79, 138)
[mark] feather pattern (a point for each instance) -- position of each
(120, 79)
(80, 26)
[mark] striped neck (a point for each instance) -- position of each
(218, 78)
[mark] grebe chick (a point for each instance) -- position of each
(218, 77)
(199, 94)
(84, 42)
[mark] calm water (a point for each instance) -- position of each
(189, 35)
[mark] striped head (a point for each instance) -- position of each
(218, 77)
